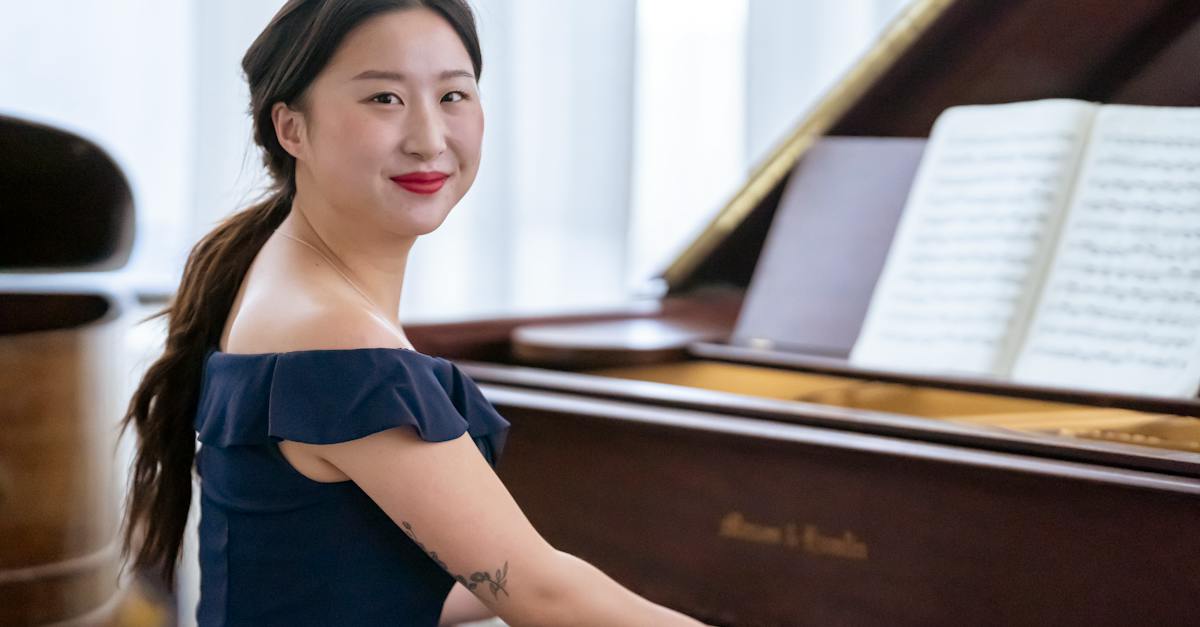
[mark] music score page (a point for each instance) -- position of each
(1120, 309)
(975, 238)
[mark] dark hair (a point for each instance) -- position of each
(279, 66)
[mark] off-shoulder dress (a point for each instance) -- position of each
(278, 548)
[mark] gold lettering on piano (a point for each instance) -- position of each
(735, 526)
(807, 537)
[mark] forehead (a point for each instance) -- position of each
(416, 42)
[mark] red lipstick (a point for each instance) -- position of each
(421, 182)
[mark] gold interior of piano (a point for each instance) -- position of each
(1120, 425)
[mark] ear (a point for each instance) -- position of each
(289, 128)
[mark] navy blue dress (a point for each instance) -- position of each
(277, 548)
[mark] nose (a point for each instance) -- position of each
(424, 133)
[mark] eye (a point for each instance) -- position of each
(454, 96)
(387, 98)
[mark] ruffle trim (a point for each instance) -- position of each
(329, 396)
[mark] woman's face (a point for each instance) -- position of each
(391, 128)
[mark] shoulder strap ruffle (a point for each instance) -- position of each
(329, 396)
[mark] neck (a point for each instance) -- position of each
(372, 259)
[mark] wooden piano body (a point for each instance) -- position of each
(716, 473)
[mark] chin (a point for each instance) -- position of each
(419, 222)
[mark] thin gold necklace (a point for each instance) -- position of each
(377, 309)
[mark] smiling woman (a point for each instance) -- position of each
(390, 134)
(346, 479)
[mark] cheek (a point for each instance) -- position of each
(351, 142)
(468, 133)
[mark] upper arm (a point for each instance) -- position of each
(447, 498)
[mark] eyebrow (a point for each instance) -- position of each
(400, 78)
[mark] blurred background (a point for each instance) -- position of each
(615, 130)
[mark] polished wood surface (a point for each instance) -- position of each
(980, 52)
(683, 478)
(491, 340)
(614, 342)
(58, 493)
(739, 521)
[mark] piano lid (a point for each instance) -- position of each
(942, 53)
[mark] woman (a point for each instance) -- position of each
(345, 478)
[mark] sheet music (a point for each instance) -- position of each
(974, 237)
(1120, 310)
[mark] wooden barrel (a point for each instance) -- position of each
(59, 492)
(67, 210)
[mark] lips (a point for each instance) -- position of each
(421, 182)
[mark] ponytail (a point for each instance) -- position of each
(164, 405)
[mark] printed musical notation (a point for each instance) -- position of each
(1051, 242)
(1121, 302)
(974, 232)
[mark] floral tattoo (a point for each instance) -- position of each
(496, 582)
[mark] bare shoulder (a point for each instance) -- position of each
(333, 326)
(278, 311)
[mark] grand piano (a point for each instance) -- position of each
(693, 449)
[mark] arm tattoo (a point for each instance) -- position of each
(495, 581)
